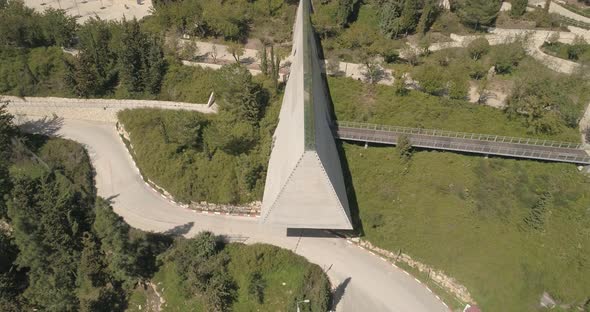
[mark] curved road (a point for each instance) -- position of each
(372, 284)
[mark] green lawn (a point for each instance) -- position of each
(356, 101)
(287, 278)
(170, 287)
(506, 229)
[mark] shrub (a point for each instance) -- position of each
(478, 48)
(431, 79)
(404, 147)
(458, 87)
(518, 7)
(506, 57)
(478, 70)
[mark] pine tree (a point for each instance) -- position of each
(272, 61)
(518, 7)
(157, 67)
(49, 216)
(408, 18)
(131, 57)
(263, 60)
(7, 132)
(389, 19)
(345, 11)
(477, 13)
(427, 17)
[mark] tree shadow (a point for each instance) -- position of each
(46, 126)
(339, 292)
(180, 230)
(111, 199)
(247, 60)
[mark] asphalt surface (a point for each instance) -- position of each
(369, 283)
(570, 155)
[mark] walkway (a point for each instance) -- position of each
(465, 142)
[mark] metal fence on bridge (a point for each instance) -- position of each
(465, 142)
(459, 135)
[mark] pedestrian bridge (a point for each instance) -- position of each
(464, 142)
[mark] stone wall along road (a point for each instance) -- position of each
(104, 110)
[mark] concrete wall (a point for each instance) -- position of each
(91, 109)
(304, 183)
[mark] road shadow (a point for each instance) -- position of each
(339, 292)
(294, 232)
(46, 126)
(180, 230)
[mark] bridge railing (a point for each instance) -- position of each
(461, 135)
(462, 146)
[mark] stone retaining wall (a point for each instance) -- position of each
(446, 282)
(104, 110)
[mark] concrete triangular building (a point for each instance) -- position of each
(304, 184)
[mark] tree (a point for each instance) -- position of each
(345, 11)
(213, 53)
(7, 133)
(431, 79)
(236, 50)
(256, 286)
(12, 282)
(113, 233)
(239, 95)
(372, 70)
(262, 55)
(194, 260)
(389, 19)
(58, 27)
(333, 66)
(400, 84)
(220, 292)
(518, 7)
(477, 13)
(49, 216)
(92, 266)
(457, 86)
(429, 13)
(131, 56)
(409, 16)
(156, 67)
(542, 101)
(507, 57)
(189, 50)
(141, 60)
(93, 71)
(577, 48)
(19, 25)
(404, 147)
(478, 48)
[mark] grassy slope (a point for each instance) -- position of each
(464, 215)
(276, 265)
(355, 101)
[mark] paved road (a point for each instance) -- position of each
(570, 155)
(374, 285)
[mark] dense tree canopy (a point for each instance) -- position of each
(21, 26)
(477, 13)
